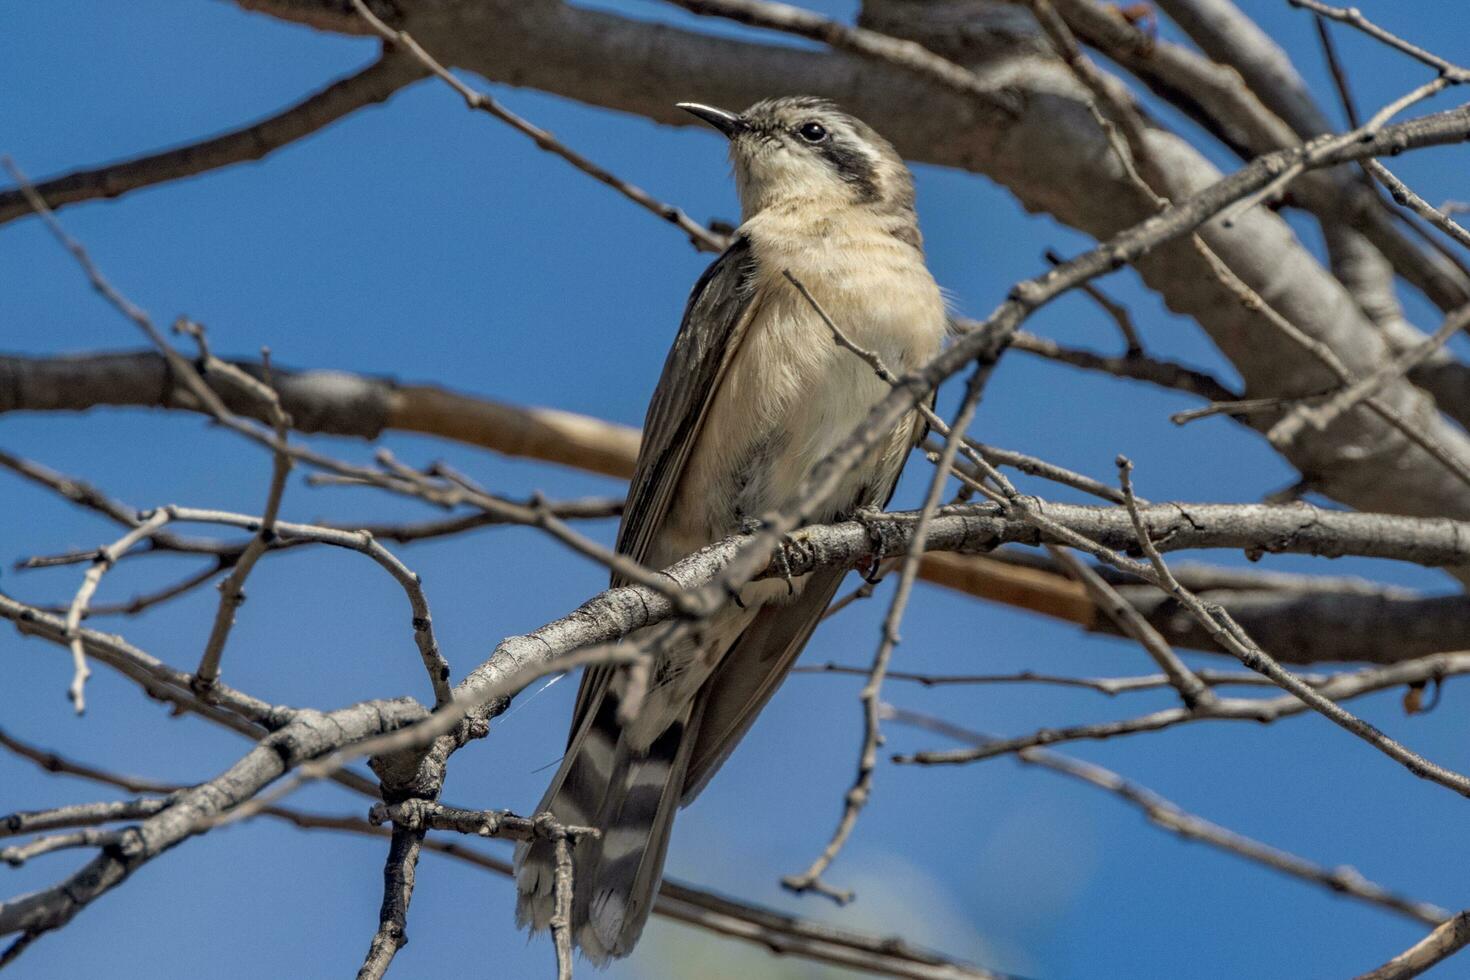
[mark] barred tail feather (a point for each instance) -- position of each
(632, 798)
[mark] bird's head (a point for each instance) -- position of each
(801, 149)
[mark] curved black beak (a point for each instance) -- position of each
(726, 122)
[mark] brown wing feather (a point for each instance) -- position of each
(758, 662)
(715, 318)
(751, 672)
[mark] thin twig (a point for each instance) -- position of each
(104, 560)
(372, 84)
(1444, 942)
(1339, 687)
(1320, 416)
(1111, 686)
(1170, 816)
(80, 815)
(703, 238)
(1365, 133)
(232, 589)
(19, 854)
(1403, 195)
(904, 54)
(1354, 17)
(1133, 345)
(1191, 689)
(1164, 374)
(1339, 73)
(857, 796)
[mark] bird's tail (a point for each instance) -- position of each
(631, 797)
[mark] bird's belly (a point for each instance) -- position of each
(790, 397)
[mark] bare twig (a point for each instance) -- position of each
(1339, 73)
(1403, 195)
(231, 590)
(857, 796)
(1444, 942)
(1339, 687)
(1133, 346)
(398, 880)
(1164, 374)
(1111, 686)
(80, 815)
(703, 238)
(19, 854)
(1322, 415)
(561, 916)
(1173, 818)
(52, 762)
(870, 44)
(427, 815)
(1354, 18)
(1364, 133)
(104, 560)
(368, 86)
(1128, 619)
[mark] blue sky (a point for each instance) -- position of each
(424, 242)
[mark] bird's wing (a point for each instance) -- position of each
(750, 672)
(759, 661)
(719, 308)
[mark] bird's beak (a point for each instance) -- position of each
(726, 122)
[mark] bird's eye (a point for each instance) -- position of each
(812, 132)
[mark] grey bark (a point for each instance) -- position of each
(333, 402)
(373, 84)
(309, 735)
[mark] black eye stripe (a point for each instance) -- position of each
(853, 166)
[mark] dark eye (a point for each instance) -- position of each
(812, 132)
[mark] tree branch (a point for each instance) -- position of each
(777, 932)
(1438, 946)
(1169, 816)
(369, 86)
(309, 735)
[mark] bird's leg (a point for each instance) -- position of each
(879, 529)
(783, 558)
(784, 550)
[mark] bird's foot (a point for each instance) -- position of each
(883, 532)
(792, 546)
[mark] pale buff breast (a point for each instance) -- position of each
(791, 395)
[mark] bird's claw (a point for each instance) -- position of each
(790, 544)
(883, 533)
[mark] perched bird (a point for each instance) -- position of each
(755, 393)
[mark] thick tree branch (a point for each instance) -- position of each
(777, 932)
(1250, 96)
(330, 402)
(1438, 946)
(373, 84)
(308, 735)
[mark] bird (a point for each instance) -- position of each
(754, 393)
